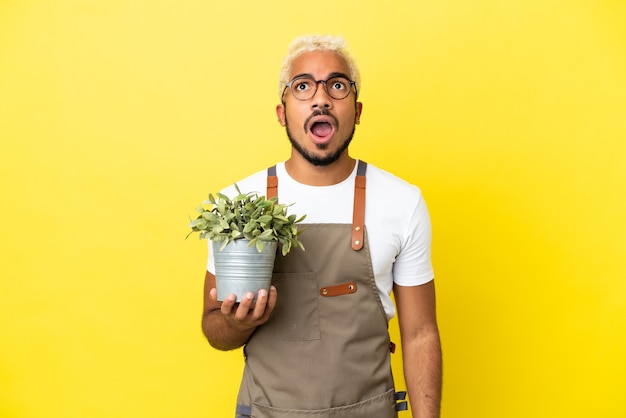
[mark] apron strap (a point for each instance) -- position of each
(401, 403)
(243, 411)
(358, 213)
(272, 183)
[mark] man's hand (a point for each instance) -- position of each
(247, 314)
(228, 324)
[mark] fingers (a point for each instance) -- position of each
(265, 304)
(228, 304)
(271, 303)
(244, 308)
(248, 311)
(273, 297)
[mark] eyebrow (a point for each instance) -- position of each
(331, 75)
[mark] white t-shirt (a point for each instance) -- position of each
(396, 219)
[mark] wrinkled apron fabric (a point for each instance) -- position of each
(324, 352)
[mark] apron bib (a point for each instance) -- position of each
(324, 352)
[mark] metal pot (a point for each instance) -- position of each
(240, 268)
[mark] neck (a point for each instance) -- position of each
(306, 173)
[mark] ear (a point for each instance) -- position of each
(280, 113)
(359, 110)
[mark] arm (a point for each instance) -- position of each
(228, 325)
(421, 348)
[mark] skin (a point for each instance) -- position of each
(228, 325)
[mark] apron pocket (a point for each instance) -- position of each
(381, 406)
(297, 320)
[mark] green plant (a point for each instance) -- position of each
(248, 216)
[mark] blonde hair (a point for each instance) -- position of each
(308, 43)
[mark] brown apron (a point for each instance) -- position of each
(325, 350)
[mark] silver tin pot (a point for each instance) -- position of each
(240, 268)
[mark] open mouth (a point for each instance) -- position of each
(321, 129)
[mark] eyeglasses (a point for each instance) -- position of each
(305, 87)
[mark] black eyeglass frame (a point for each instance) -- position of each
(300, 77)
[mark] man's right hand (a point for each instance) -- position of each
(228, 324)
(247, 314)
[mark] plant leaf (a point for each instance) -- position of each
(251, 226)
(266, 235)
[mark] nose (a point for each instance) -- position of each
(321, 97)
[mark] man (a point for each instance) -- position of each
(317, 343)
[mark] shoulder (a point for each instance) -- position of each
(383, 186)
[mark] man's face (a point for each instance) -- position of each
(321, 128)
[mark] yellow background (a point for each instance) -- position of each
(118, 117)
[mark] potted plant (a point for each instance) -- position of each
(246, 232)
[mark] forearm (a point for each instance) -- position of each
(221, 331)
(423, 374)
